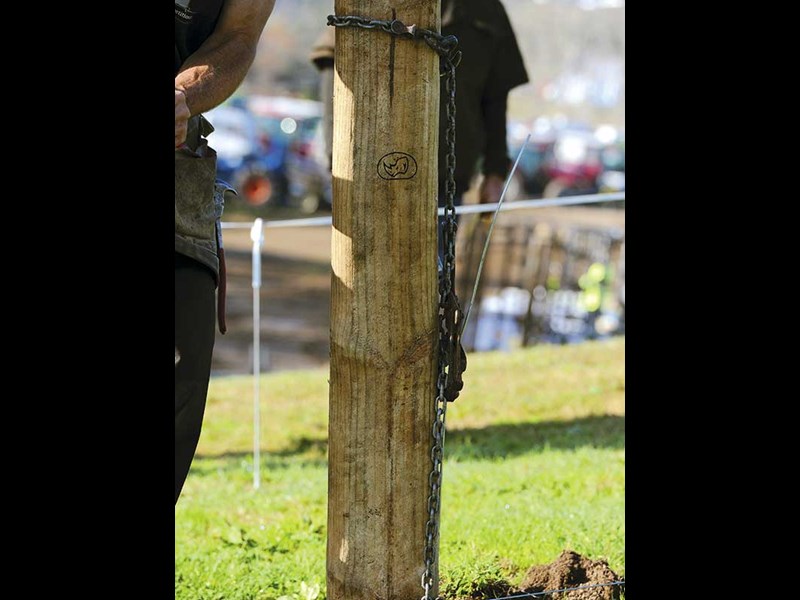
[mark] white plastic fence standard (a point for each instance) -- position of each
(257, 235)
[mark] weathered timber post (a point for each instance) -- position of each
(383, 303)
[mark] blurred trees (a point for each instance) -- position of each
(575, 57)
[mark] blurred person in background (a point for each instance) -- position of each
(215, 44)
(491, 66)
(322, 58)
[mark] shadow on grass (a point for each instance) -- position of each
(483, 443)
(303, 452)
(516, 439)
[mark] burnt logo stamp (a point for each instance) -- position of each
(397, 165)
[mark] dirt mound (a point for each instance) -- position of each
(571, 569)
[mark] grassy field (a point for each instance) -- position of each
(534, 464)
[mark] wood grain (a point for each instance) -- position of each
(383, 303)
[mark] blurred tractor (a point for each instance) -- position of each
(574, 165)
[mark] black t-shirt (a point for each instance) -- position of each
(491, 66)
(194, 22)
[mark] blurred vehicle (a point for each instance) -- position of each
(291, 132)
(241, 159)
(309, 172)
(612, 155)
(610, 182)
(528, 179)
(532, 175)
(564, 159)
(572, 164)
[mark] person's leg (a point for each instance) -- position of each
(195, 318)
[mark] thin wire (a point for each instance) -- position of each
(464, 209)
(548, 592)
(543, 203)
(489, 235)
(307, 222)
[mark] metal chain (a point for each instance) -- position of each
(449, 344)
(449, 314)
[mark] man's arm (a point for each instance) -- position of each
(495, 156)
(212, 74)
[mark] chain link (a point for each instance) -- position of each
(449, 313)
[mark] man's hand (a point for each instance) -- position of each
(182, 115)
(489, 192)
(491, 188)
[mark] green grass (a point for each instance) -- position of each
(534, 464)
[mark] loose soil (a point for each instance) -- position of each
(569, 570)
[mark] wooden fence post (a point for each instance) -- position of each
(383, 303)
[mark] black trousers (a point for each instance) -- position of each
(195, 319)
